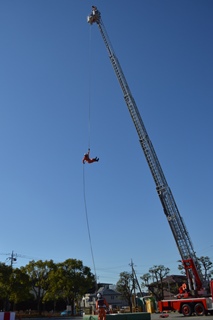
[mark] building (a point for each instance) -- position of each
(113, 297)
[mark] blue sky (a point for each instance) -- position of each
(55, 79)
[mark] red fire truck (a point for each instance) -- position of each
(196, 297)
(189, 305)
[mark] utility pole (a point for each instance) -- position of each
(135, 277)
(12, 258)
(135, 280)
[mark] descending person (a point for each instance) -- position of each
(88, 159)
(101, 305)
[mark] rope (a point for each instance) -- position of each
(90, 81)
(89, 141)
(88, 228)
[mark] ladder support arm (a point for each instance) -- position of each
(171, 211)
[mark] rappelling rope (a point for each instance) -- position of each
(88, 228)
(90, 81)
(89, 138)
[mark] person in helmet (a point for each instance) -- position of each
(101, 305)
(94, 10)
(87, 158)
(94, 16)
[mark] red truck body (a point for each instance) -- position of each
(188, 306)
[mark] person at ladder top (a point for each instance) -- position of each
(101, 305)
(87, 158)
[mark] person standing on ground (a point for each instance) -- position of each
(101, 305)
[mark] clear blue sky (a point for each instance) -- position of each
(54, 70)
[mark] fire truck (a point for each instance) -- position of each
(189, 305)
(197, 296)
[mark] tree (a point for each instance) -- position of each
(5, 274)
(207, 267)
(145, 280)
(205, 264)
(19, 287)
(70, 280)
(126, 285)
(181, 267)
(157, 274)
(38, 276)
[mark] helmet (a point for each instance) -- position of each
(99, 295)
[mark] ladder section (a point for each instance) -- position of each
(174, 218)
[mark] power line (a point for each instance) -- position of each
(13, 257)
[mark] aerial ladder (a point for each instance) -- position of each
(196, 283)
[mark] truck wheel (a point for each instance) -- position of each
(186, 310)
(199, 309)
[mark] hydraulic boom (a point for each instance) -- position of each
(180, 233)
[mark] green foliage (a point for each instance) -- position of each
(5, 274)
(70, 281)
(19, 286)
(38, 276)
(45, 281)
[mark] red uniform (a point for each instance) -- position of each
(101, 305)
(87, 158)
